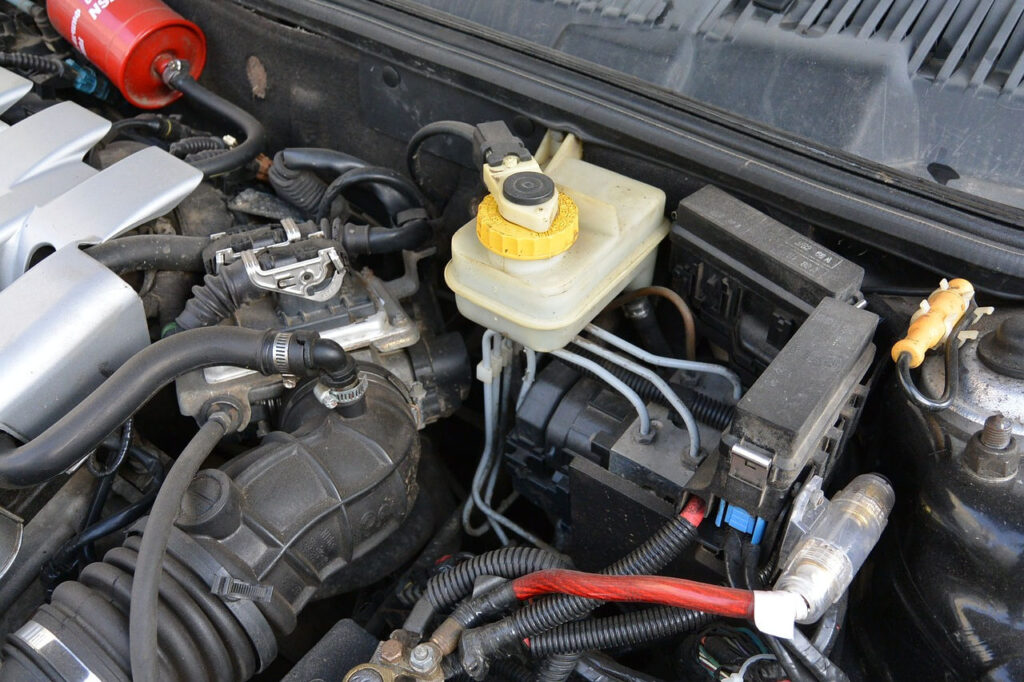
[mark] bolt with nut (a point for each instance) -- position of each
(992, 453)
(997, 432)
(424, 657)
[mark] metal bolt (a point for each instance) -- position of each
(997, 433)
(366, 675)
(391, 651)
(424, 657)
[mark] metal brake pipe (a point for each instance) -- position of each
(671, 363)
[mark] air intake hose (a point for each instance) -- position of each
(253, 542)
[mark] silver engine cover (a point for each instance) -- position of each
(68, 322)
(50, 198)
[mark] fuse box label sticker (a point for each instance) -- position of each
(814, 252)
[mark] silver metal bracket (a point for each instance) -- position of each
(750, 464)
(808, 506)
(292, 234)
(300, 279)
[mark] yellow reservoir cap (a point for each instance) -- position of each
(934, 320)
(519, 243)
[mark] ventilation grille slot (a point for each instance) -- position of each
(631, 11)
(953, 43)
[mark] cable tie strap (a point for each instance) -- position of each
(234, 589)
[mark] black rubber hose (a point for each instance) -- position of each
(151, 252)
(32, 62)
(629, 629)
(300, 188)
(301, 164)
(544, 614)
(446, 589)
(372, 175)
(82, 429)
(320, 160)
(641, 315)
(361, 240)
(916, 396)
(463, 131)
(142, 616)
(218, 107)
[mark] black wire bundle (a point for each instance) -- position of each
(32, 63)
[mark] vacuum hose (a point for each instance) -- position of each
(81, 430)
(177, 76)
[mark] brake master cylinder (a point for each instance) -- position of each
(551, 246)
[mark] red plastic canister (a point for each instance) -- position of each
(128, 39)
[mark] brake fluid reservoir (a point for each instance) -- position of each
(541, 288)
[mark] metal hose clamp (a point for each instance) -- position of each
(279, 352)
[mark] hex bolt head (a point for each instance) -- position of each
(391, 651)
(424, 657)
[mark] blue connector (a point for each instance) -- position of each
(87, 81)
(741, 520)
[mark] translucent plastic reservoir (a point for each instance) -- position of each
(542, 304)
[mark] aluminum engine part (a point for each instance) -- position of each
(68, 323)
(50, 198)
(367, 319)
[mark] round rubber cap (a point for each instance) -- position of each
(1002, 350)
(528, 188)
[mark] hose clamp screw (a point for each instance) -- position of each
(332, 398)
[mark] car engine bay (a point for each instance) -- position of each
(341, 341)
